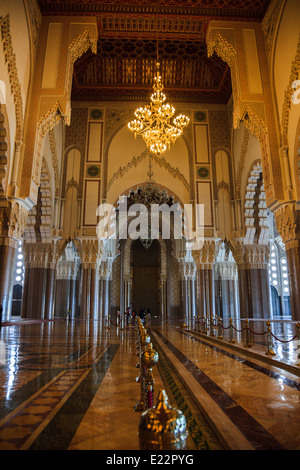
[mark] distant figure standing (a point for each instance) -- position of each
(1, 310)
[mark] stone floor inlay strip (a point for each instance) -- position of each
(259, 437)
(60, 430)
(270, 373)
(193, 427)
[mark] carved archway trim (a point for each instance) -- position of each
(286, 106)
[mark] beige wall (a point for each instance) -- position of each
(122, 151)
(285, 49)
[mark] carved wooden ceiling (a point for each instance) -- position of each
(130, 32)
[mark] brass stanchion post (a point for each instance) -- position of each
(232, 340)
(270, 351)
(248, 342)
(220, 334)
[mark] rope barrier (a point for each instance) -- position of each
(210, 326)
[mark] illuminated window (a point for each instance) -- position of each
(19, 269)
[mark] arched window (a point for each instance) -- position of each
(279, 279)
(19, 266)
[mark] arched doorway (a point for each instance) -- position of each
(145, 274)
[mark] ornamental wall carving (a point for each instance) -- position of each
(206, 256)
(55, 164)
(288, 225)
(253, 256)
(241, 163)
(257, 114)
(4, 151)
(286, 106)
(51, 107)
(13, 220)
(15, 85)
(222, 48)
(135, 161)
(42, 255)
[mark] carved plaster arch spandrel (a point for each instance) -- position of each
(286, 106)
(15, 85)
(51, 106)
(257, 115)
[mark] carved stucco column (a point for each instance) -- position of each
(188, 280)
(205, 259)
(105, 270)
(254, 287)
(88, 251)
(288, 226)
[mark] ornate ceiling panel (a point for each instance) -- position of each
(129, 31)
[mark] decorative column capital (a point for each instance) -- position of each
(206, 256)
(288, 225)
(253, 256)
(88, 249)
(187, 269)
(13, 216)
(105, 269)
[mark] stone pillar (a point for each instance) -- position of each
(293, 260)
(126, 278)
(210, 291)
(163, 293)
(201, 290)
(50, 293)
(39, 283)
(226, 290)
(7, 256)
(253, 277)
(288, 225)
(187, 271)
(94, 293)
(88, 251)
(205, 263)
(85, 291)
(100, 298)
(13, 215)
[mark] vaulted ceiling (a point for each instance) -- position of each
(133, 33)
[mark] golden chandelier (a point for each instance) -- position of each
(153, 121)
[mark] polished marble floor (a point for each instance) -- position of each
(71, 385)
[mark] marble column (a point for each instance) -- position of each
(85, 291)
(62, 298)
(7, 257)
(94, 310)
(226, 290)
(205, 263)
(202, 299)
(163, 301)
(101, 298)
(293, 260)
(33, 302)
(126, 278)
(50, 293)
(254, 288)
(211, 291)
(287, 219)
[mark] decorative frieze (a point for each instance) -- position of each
(288, 225)
(222, 48)
(15, 85)
(253, 256)
(206, 256)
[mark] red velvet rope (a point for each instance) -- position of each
(250, 330)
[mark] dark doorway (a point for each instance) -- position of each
(16, 300)
(145, 266)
